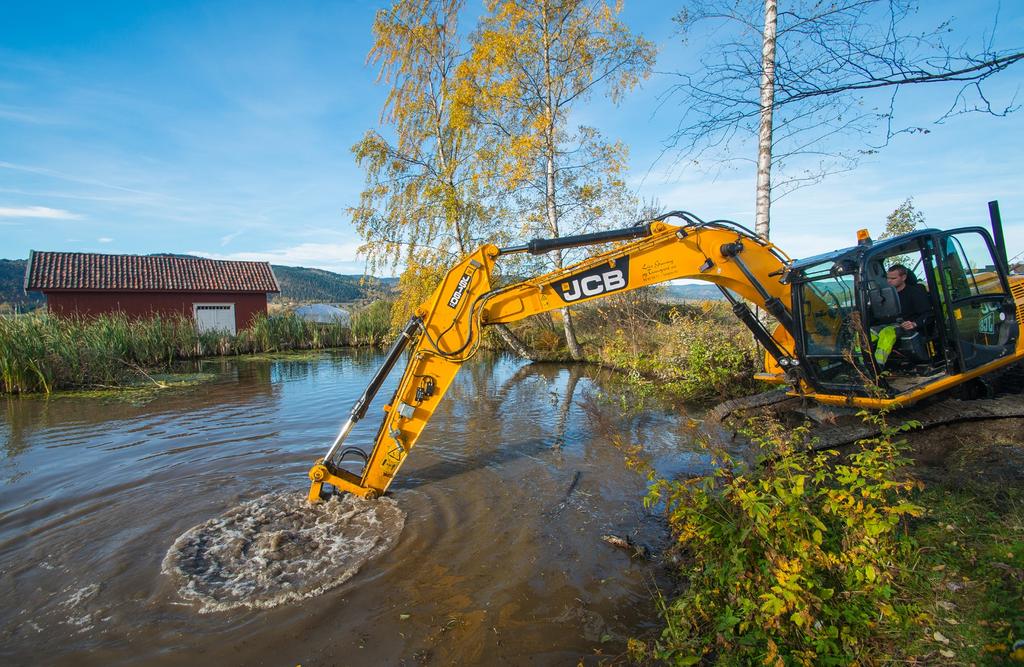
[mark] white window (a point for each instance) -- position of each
(214, 317)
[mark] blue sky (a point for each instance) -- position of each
(223, 129)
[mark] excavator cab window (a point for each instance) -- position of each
(828, 303)
(849, 321)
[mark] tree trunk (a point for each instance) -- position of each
(570, 335)
(764, 139)
(550, 183)
(570, 331)
(513, 342)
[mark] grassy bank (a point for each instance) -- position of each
(816, 558)
(966, 582)
(41, 353)
(696, 352)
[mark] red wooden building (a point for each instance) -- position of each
(217, 294)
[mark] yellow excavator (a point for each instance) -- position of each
(825, 307)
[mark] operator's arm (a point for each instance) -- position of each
(915, 307)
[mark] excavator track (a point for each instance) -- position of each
(717, 425)
(939, 413)
(835, 428)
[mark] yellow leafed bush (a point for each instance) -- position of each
(793, 561)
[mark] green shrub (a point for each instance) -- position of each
(794, 561)
(702, 353)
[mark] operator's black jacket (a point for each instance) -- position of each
(914, 303)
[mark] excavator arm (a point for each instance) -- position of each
(446, 330)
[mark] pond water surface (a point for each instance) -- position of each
(500, 560)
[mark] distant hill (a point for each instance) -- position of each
(302, 285)
(298, 285)
(12, 282)
(691, 293)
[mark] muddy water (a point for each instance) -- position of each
(499, 561)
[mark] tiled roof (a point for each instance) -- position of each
(149, 273)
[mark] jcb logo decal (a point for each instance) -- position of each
(460, 289)
(603, 279)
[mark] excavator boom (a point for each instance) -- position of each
(446, 330)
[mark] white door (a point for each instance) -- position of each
(214, 317)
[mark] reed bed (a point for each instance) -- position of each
(42, 353)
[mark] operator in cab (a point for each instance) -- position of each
(915, 308)
(914, 301)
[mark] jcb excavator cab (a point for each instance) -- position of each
(841, 300)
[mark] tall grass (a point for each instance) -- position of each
(371, 325)
(40, 352)
(691, 352)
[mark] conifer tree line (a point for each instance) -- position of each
(478, 141)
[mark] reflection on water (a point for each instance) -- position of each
(500, 560)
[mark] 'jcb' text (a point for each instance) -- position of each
(599, 280)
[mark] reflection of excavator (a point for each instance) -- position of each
(824, 305)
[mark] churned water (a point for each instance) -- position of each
(278, 549)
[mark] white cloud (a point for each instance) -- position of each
(51, 173)
(337, 257)
(224, 240)
(38, 212)
(105, 239)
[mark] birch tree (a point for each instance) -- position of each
(821, 92)
(532, 63)
(767, 116)
(424, 205)
(903, 220)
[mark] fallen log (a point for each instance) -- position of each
(635, 550)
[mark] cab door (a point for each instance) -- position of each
(975, 297)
